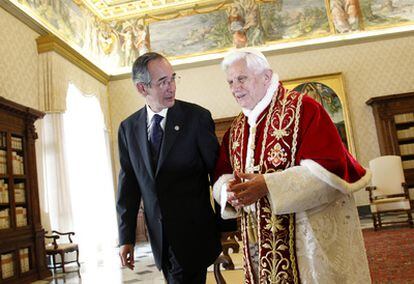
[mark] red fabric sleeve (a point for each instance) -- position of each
(223, 165)
(319, 141)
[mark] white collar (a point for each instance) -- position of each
(254, 113)
(151, 113)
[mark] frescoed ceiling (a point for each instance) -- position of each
(113, 33)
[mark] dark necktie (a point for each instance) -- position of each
(155, 137)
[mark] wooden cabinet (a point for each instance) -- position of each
(394, 119)
(222, 124)
(22, 254)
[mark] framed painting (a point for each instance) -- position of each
(329, 91)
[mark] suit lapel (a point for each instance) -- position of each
(142, 138)
(173, 127)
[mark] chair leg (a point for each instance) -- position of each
(374, 221)
(62, 257)
(379, 220)
(410, 219)
(77, 257)
(54, 262)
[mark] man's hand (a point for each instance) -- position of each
(126, 253)
(248, 192)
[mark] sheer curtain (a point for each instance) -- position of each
(89, 175)
(75, 177)
(55, 198)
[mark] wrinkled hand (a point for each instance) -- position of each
(243, 193)
(126, 253)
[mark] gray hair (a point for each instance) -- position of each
(140, 72)
(255, 60)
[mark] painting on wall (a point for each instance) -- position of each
(294, 19)
(380, 13)
(193, 34)
(329, 91)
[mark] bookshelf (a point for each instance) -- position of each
(22, 248)
(394, 119)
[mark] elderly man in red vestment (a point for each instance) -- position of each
(285, 172)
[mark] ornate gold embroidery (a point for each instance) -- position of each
(277, 155)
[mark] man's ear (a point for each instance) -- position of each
(268, 74)
(141, 88)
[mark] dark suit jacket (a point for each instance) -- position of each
(176, 196)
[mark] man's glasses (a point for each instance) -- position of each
(166, 82)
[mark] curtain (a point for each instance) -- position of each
(76, 173)
(54, 191)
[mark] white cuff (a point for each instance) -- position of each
(220, 195)
(334, 180)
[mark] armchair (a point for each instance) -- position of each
(389, 192)
(53, 248)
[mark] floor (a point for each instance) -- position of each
(109, 270)
(390, 255)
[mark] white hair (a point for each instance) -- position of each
(255, 60)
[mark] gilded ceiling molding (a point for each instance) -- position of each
(191, 10)
(128, 9)
(198, 10)
(49, 43)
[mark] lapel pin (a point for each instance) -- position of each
(176, 128)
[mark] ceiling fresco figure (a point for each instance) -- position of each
(345, 15)
(142, 39)
(129, 52)
(236, 25)
(107, 39)
(253, 26)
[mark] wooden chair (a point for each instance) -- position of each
(231, 255)
(55, 247)
(389, 192)
(230, 242)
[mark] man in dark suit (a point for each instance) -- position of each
(167, 150)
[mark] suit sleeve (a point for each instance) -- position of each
(223, 172)
(207, 142)
(209, 148)
(129, 194)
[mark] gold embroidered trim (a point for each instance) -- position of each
(296, 128)
(292, 252)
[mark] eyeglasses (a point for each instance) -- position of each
(165, 82)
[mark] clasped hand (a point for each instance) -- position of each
(246, 189)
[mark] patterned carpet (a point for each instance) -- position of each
(390, 254)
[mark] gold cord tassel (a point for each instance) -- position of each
(251, 228)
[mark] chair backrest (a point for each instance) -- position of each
(387, 174)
